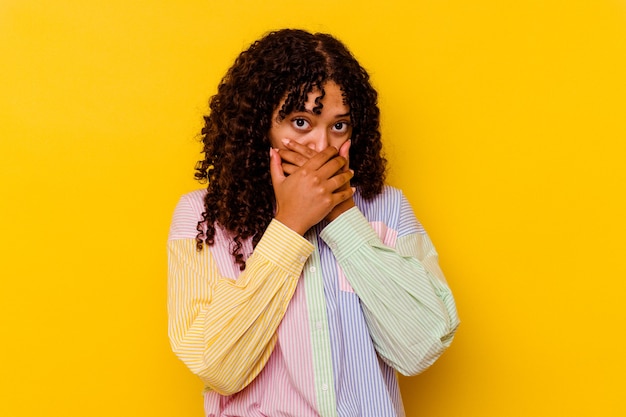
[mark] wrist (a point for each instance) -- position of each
(340, 209)
(292, 223)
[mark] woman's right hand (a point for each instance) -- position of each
(311, 191)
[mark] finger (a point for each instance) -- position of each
(344, 149)
(294, 158)
(276, 169)
(342, 195)
(347, 184)
(340, 181)
(294, 146)
(289, 169)
(332, 167)
(323, 158)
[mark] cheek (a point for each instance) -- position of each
(337, 142)
(276, 135)
(340, 139)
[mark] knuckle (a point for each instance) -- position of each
(320, 193)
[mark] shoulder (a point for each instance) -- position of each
(392, 194)
(392, 208)
(390, 199)
(193, 199)
(187, 214)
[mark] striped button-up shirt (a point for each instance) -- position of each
(315, 325)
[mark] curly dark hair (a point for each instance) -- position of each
(286, 64)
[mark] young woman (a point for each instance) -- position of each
(299, 283)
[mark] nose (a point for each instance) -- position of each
(318, 140)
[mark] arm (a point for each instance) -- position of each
(408, 307)
(224, 330)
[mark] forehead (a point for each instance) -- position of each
(297, 99)
(333, 95)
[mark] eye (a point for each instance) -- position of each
(300, 123)
(341, 127)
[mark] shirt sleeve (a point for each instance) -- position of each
(408, 307)
(224, 329)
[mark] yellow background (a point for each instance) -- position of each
(504, 122)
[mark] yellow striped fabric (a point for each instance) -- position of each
(234, 320)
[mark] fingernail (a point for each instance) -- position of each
(352, 171)
(353, 190)
(286, 141)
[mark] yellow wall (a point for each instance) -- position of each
(504, 122)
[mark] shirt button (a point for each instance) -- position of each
(324, 387)
(333, 245)
(303, 258)
(312, 269)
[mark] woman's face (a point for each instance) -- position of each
(332, 127)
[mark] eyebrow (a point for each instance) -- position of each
(336, 116)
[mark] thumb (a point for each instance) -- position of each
(344, 150)
(276, 168)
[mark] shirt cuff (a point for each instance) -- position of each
(284, 247)
(348, 232)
